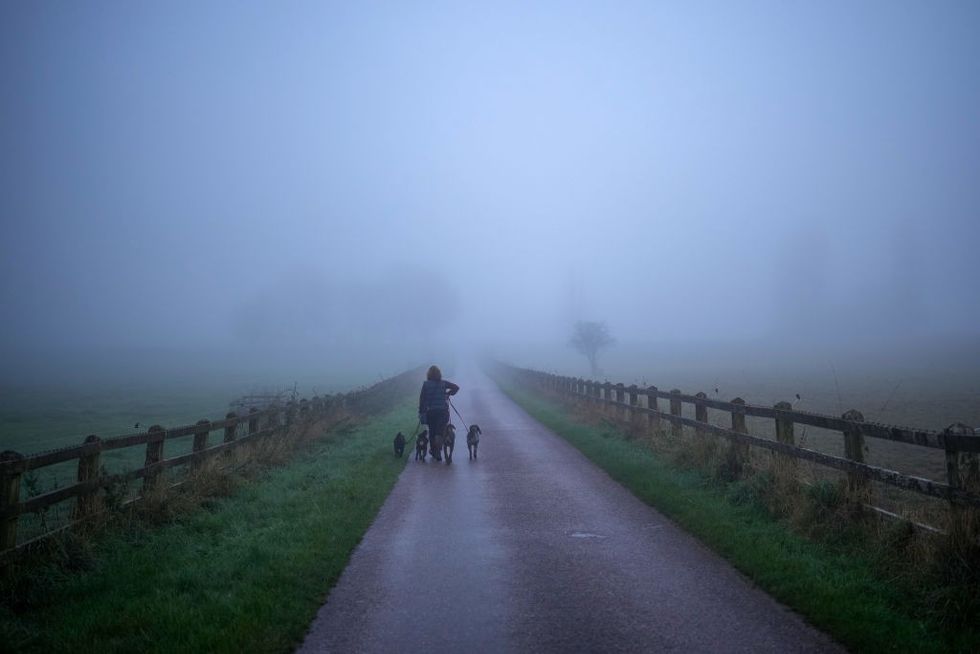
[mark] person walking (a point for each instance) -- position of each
(434, 408)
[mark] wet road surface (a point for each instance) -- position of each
(534, 549)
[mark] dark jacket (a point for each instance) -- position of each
(434, 394)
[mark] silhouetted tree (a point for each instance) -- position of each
(590, 337)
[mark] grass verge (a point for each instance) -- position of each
(837, 588)
(247, 572)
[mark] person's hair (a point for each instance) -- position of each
(434, 373)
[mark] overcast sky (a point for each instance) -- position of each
(219, 174)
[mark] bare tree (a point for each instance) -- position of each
(590, 337)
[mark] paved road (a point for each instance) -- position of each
(534, 549)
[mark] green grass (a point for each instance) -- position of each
(835, 588)
(37, 419)
(245, 573)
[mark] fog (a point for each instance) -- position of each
(272, 189)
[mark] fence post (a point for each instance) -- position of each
(738, 453)
(676, 428)
(232, 429)
(88, 469)
(154, 455)
(700, 412)
(231, 433)
(633, 400)
(9, 498)
(653, 419)
(620, 396)
(785, 433)
(200, 441)
(854, 450)
(962, 472)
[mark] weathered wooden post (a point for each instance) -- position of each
(963, 473)
(232, 429)
(854, 450)
(200, 441)
(653, 418)
(785, 466)
(88, 469)
(738, 453)
(676, 428)
(620, 395)
(700, 411)
(631, 393)
(230, 434)
(154, 455)
(11, 470)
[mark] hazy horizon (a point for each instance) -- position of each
(313, 183)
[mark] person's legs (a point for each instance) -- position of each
(437, 419)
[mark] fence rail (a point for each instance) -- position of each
(961, 446)
(236, 431)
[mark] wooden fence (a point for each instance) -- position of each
(236, 431)
(961, 490)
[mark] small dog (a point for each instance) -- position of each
(473, 440)
(449, 443)
(421, 445)
(399, 444)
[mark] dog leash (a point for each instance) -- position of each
(457, 413)
(414, 434)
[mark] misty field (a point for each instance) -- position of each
(55, 410)
(40, 417)
(891, 386)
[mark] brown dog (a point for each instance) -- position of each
(473, 440)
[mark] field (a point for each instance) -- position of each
(56, 398)
(863, 585)
(245, 572)
(923, 390)
(35, 417)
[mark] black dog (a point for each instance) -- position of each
(421, 444)
(449, 443)
(399, 444)
(473, 440)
